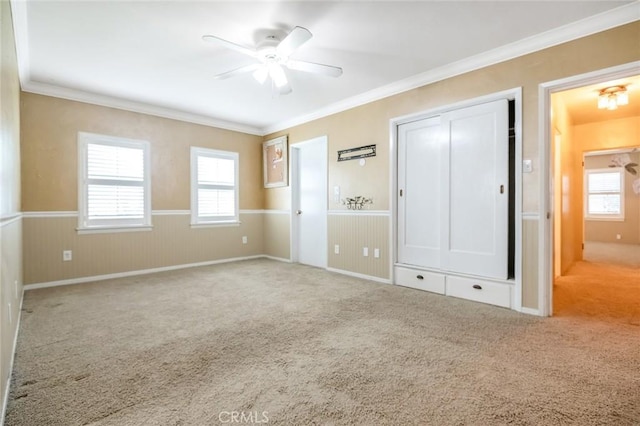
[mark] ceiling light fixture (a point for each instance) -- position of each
(612, 97)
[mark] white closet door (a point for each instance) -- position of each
(420, 149)
(477, 206)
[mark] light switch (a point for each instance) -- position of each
(336, 194)
(527, 166)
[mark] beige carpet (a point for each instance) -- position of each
(296, 345)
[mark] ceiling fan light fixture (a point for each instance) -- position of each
(277, 75)
(261, 74)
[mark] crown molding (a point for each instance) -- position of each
(591, 25)
(597, 23)
(135, 106)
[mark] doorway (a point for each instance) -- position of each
(576, 131)
(309, 202)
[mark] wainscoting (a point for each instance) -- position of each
(172, 241)
(352, 232)
(10, 298)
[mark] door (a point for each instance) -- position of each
(419, 192)
(309, 202)
(476, 210)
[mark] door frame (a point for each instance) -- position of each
(294, 178)
(546, 212)
(511, 94)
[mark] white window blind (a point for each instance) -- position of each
(214, 190)
(115, 182)
(604, 196)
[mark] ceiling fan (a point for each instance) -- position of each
(273, 57)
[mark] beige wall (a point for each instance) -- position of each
(369, 124)
(277, 234)
(50, 128)
(567, 184)
(49, 180)
(629, 228)
(10, 225)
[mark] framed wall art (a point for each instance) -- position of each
(274, 159)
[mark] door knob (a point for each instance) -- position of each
(298, 212)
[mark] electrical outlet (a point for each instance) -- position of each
(244, 239)
(618, 236)
(336, 249)
(365, 251)
(67, 255)
(376, 253)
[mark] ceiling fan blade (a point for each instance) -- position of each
(328, 70)
(296, 38)
(237, 71)
(230, 45)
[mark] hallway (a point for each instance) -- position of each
(599, 290)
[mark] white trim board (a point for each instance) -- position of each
(153, 213)
(358, 275)
(93, 278)
(359, 213)
(10, 219)
(597, 23)
(7, 386)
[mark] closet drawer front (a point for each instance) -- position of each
(420, 279)
(479, 291)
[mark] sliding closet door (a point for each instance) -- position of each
(420, 148)
(475, 210)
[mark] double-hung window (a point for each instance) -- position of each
(604, 194)
(114, 185)
(214, 186)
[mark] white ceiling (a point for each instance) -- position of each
(148, 56)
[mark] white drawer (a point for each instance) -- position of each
(479, 290)
(420, 279)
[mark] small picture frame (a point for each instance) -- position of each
(274, 162)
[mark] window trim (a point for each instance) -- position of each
(115, 225)
(604, 217)
(196, 220)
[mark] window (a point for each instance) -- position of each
(214, 186)
(604, 194)
(114, 184)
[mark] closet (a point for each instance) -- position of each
(454, 204)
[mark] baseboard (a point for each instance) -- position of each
(530, 311)
(7, 385)
(363, 276)
(279, 259)
(133, 273)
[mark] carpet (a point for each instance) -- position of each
(266, 342)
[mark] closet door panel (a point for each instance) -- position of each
(477, 200)
(419, 192)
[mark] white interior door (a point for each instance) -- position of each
(478, 201)
(309, 202)
(419, 192)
